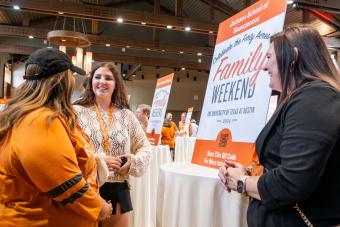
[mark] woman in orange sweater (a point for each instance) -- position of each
(47, 166)
(169, 131)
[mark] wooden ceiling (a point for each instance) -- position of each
(143, 37)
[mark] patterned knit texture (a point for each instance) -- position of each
(126, 136)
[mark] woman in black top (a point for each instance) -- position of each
(299, 147)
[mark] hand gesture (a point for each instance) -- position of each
(125, 164)
(113, 163)
(106, 211)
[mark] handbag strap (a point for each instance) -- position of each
(303, 216)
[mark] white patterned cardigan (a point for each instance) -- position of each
(125, 136)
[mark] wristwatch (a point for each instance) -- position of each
(241, 184)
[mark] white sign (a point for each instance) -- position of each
(158, 109)
(237, 95)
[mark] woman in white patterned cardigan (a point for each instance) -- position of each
(116, 133)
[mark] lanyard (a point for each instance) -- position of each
(104, 128)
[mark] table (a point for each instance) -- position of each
(184, 147)
(144, 189)
(192, 195)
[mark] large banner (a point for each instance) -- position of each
(185, 129)
(158, 109)
(237, 96)
(187, 120)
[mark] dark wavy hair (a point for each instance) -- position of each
(302, 56)
(119, 96)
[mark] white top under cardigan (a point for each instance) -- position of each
(125, 136)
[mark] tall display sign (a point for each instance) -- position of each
(237, 96)
(187, 121)
(158, 109)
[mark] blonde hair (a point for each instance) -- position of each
(53, 92)
(145, 108)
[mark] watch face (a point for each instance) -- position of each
(239, 187)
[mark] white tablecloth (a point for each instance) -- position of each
(192, 196)
(144, 189)
(184, 148)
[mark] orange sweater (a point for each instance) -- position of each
(47, 175)
(168, 135)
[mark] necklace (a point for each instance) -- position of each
(105, 127)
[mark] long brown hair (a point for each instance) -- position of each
(119, 96)
(53, 92)
(302, 56)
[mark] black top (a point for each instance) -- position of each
(300, 151)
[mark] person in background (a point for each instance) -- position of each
(47, 166)
(143, 114)
(181, 126)
(300, 145)
(115, 132)
(194, 128)
(169, 131)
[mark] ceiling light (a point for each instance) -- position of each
(108, 44)
(181, 52)
(290, 2)
(199, 54)
(168, 26)
(61, 13)
(143, 23)
(211, 32)
(74, 39)
(148, 49)
(183, 68)
(120, 20)
(187, 28)
(31, 37)
(163, 50)
(127, 46)
(16, 7)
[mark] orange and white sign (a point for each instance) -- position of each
(237, 95)
(3, 103)
(158, 109)
(187, 121)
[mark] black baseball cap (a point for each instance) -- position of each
(51, 61)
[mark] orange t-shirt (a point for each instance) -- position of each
(168, 135)
(47, 175)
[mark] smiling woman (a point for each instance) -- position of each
(103, 83)
(273, 70)
(299, 146)
(116, 134)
